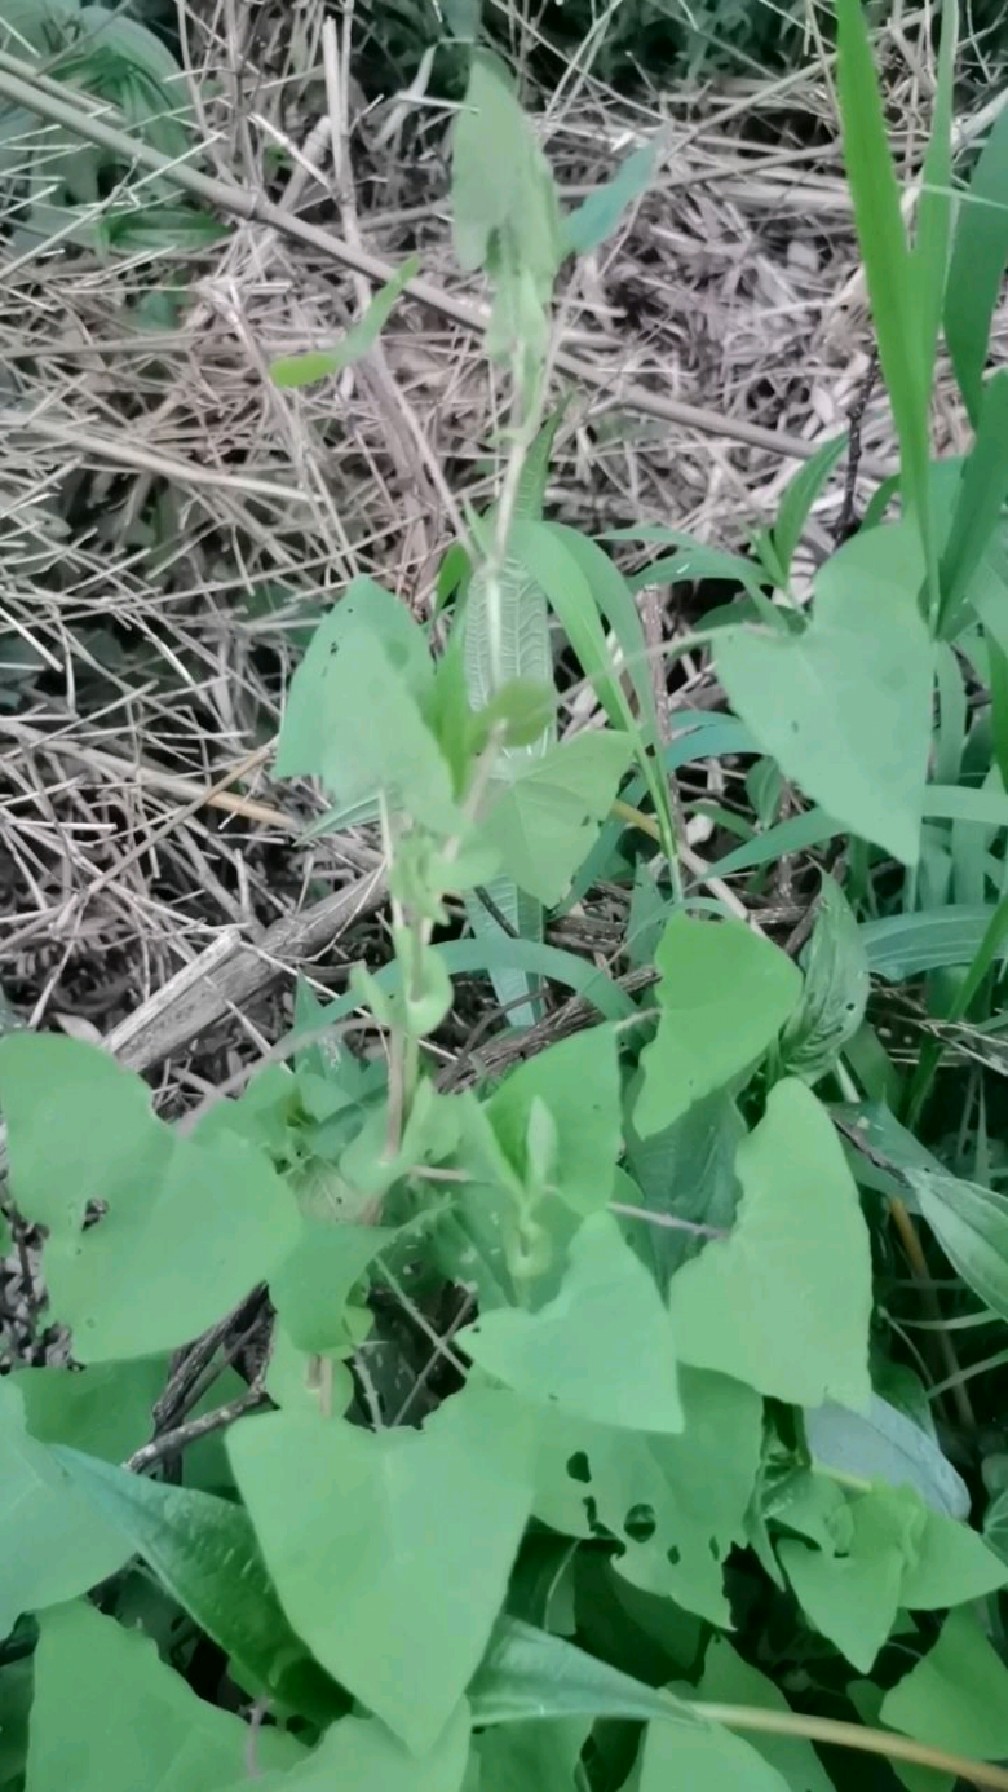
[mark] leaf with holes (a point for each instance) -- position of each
(785, 1302)
(675, 1505)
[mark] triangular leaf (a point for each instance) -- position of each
(362, 1756)
(564, 1356)
(132, 1286)
(546, 819)
(412, 1536)
(725, 993)
(853, 1599)
(785, 1302)
(704, 1760)
(528, 1673)
(578, 1081)
(728, 1680)
(956, 1698)
(845, 707)
(53, 1544)
(109, 1716)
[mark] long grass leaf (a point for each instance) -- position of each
(930, 256)
(982, 493)
(888, 264)
(979, 256)
(317, 364)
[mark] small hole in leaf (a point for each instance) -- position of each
(578, 1467)
(674, 1556)
(715, 1549)
(639, 1524)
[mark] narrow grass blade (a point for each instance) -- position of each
(305, 370)
(930, 255)
(982, 493)
(889, 267)
(979, 255)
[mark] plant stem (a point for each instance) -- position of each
(853, 1736)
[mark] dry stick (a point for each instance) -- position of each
(17, 84)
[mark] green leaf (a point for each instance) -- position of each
(704, 1760)
(305, 370)
(416, 1530)
(882, 1444)
(687, 1170)
(675, 1505)
(798, 499)
(311, 1288)
(132, 1285)
(845, 707)
(952, 1566)
(725, 993)
(527, 1673)
(359, 1754)
(563, 1356)
(902, 946)
(982, 492)
(500, 180)
(203, 1551)
(835, 992)
(352, 720)
(597, 216)
(770, 1304)
(104, 1410)
(888, 263)
(853, 1599)
(728, 1680)
(109, 1716)
(544, 822)
(971, 1225)
(53, 1545)
(956, 1698)
(556, 558)
(533, 1757)
(932, 237)
(584, 588)
(105, 1140)
(578, 1081)
(979, 256)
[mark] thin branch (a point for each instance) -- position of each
(17, 83)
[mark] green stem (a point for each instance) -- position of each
(853, 1736)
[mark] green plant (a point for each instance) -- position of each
(681, 1508)
(61, 189)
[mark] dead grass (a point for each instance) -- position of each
(170, 522)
